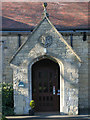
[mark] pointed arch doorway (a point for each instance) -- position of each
(46, 86)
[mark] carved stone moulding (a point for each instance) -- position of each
(45, 40)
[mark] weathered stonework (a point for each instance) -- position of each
(30, 52)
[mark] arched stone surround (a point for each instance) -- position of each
(68, 85)
(61, 77)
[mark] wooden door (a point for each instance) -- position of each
(46, 83)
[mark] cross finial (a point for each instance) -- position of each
(45, 11)
(45, 5)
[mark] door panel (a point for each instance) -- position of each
(45, 78)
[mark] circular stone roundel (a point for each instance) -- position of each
(45, 40)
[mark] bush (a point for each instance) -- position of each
(7, 99)
(4, 118)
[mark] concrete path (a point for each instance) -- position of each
(49, 117)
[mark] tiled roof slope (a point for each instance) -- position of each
(25, 15)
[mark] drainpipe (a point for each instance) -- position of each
(19, 40)
(71, 40)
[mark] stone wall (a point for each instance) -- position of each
(81, 48)
(58, 50)
(1, 64)
(21, 95)
(10, 46)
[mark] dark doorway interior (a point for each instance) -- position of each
(46, 86)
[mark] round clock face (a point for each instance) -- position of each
(45, 40)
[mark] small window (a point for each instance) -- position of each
(84, 36)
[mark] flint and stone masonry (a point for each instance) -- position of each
(73, 63)
(32, 51)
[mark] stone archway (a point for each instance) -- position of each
(61, 80)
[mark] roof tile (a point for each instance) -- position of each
(28, 14)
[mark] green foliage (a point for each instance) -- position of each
(4, 118)
(7, 99)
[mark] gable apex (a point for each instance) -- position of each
(42, 23)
